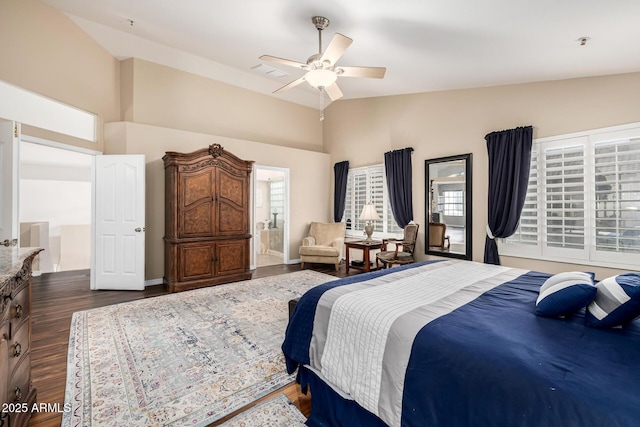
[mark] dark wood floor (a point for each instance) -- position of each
(56, 296)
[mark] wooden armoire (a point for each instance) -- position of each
(206, 218)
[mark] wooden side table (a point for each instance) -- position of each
(366, 247)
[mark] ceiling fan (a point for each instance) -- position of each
(321, 68)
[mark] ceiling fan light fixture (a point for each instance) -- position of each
(321, 71)
(320, 78)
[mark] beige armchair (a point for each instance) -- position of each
(324, 244)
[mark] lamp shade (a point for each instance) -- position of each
(369, 213)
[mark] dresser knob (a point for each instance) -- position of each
(17, 349)
(18, 394)
(19, 311)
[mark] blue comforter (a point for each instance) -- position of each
(493, 362)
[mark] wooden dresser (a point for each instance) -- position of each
(206, 218)
(16, 391)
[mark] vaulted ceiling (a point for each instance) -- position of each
(426, 45)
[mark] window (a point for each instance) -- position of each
(276, 202)
(368, 185)
(452, 203)
(583, 200)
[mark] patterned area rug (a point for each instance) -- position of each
(275, 412)
(181, 359)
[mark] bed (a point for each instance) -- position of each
(457, 343)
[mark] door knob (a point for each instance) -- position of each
(138, 230)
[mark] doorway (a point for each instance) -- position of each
(271, 215)
(55, 204)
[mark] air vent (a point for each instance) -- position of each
(269, 71)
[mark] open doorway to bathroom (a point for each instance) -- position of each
(271, 215)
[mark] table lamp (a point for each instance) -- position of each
(369, 214)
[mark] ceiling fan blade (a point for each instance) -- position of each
(288, 62)
(290, 85)
(370, 72)
(336, 48)
(333, 91)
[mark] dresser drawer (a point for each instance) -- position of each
(4, 362)
(20, 307)
(19, 344)
(20, 380)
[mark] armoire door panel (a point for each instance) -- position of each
(197, 221)
(231, 220)
(196, 187)
(196, 261)
(232, 256)
(196, 201)
(232, 189)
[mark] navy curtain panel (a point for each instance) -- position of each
(341, 171)
(397, 165)
(509, 162)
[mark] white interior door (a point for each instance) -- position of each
(119, 231)
(9, 158)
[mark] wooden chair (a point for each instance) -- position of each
(438, 236)
(405, 256)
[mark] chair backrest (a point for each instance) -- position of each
(410, 237)
(325, 233)
(437, 232)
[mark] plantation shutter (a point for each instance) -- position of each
(368, 185)
(529, 228)
(564, 202)
(376, 191)
(586, 207)
(617, 196)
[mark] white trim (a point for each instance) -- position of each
(60, 145)
(36, 110)
(519, 253)
(92, 260)
(153, 282)
(592, 132)
(287, 214)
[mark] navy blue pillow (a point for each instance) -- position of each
(565, 293)
(617, 301)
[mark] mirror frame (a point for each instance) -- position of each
(467, 201)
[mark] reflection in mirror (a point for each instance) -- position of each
(448, 206)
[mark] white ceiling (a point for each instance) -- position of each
(426, 45)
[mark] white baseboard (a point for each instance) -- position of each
(152, 282)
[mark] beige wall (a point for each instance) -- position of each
(45, 52)
(164, 96)
(308, 172)
(455, 122)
